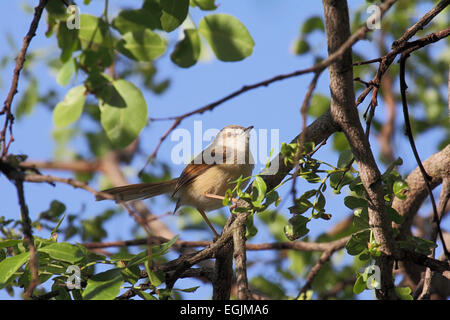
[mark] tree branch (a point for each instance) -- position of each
(28, 238)
(427, 178)
(326, 255)
(429, 274)
(9, 118)
(240, 258)
(345, 114)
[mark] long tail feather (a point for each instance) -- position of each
(140, 191)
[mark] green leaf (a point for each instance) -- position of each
(345, 158)
(259, 191)
(93, 30)
(354, 202)
(141, 257)
(301, 46)
(320, 202)
(145, 295)
(251, 230)
(423, 246)
(122, 256)
(318, 105)
(173, 13)
(296, 227)
(361, 220)
(404, 293)
(272, 197)
(56, 209)
(138, 20)
(10, 265)
(131, 274)
(163, 248)
(28, 100)
(124, 115)
(65, 73)
(187, 51)
(340, 142)
(143, 45)
(103, 286)
(310, 176)
(400, 189)
(69, 110)
(9, 243)
(311, 24)
(337, 181)
(68, 41)
(273, 290)
(227, 36)
(55, 229)
(360, 285)
(357, 243)
(192, 289)
(63, 251)
(394, 215)
(301, 205)
(205, 4)
(156, 277)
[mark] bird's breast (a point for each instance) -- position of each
(216, 180)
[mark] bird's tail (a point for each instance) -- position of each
(140, 191)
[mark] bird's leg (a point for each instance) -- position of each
(215, 196)
(207, 221)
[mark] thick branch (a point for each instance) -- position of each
(240, 258)
(344, 113)
(438, 167)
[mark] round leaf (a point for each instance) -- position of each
(319, 104)
(93, 30)
(400, 189)
(65, 73)
(143, 45)
(205, 4)
(137, 20)
(173, 13)
(227, 36)
(69, 110)
(311, 24)
(124, 114)
(187, 51)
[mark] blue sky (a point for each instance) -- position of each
(274, 25)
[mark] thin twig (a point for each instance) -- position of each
(411, 31)
(28, 238)
(9, 118)
(72, 182)
(427, 178)
(301, 139)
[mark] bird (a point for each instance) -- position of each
(205, 180)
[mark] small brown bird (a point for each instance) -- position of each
(205, 180)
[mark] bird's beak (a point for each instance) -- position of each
(248, 129)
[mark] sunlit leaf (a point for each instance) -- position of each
(69, 110)
(227, 36)
(124, 115)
